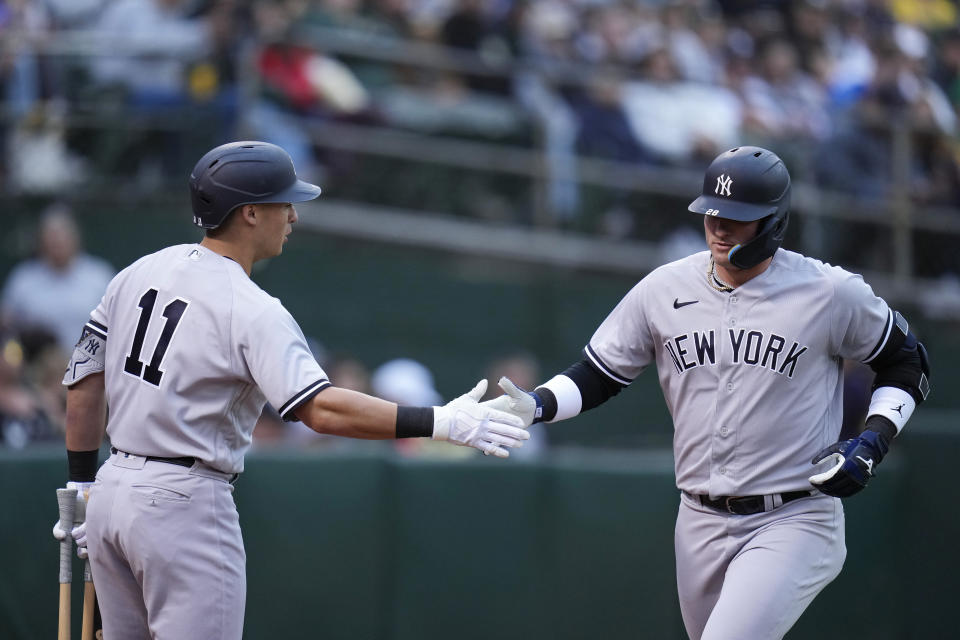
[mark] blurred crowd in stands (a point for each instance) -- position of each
(130, 92)
(662, 82)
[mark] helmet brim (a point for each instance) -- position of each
(732, 209)
(299, 191)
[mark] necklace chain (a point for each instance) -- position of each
(716, 282)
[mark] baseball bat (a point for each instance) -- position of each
(89, 595)
(67, 501)
(89, 605)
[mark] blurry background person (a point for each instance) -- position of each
(22, 417)
(54, 292)
(409, 383)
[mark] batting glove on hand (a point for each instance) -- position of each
(465, 422)
(854, 461)
(518, 402)
(79, 532)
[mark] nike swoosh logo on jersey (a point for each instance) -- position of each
(677, 304)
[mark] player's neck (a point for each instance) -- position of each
(233, 250)
(738, 277)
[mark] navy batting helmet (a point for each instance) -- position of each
(240, 173)
(746, 184)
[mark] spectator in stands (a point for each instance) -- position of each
(946, 69)
(408, 382)
(75, 14)
(684, 29)
(473, 27)
(348, 372)
(55, 291)
(44, 376)
(852, 61)
(679, 121)
(22, 26)
(22, 418)
(603, 128)
(38, 158)
(785, 102)
(147, 47)
(299, 86)
(548, 31)
(858, 159)
(155, 61)
(405, 381)
(930, 14)
(931, 109)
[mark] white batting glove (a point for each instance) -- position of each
(517, 402)
(79, 532)
(465, 422)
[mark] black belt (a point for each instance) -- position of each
(746, 505)
(185, 461)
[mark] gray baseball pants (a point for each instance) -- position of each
(750, 577)
(166, 551)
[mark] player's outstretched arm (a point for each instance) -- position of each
(580, 388)
(463, 421)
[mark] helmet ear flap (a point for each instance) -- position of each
(768, 239)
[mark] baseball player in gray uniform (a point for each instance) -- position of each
(185, 349)
(748, 340)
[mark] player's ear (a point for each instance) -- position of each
(249, 213)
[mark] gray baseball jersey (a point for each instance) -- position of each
(194, 350)
(752, 378)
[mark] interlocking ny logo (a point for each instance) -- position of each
(723, 185)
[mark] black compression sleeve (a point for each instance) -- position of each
(414, 422)
(82, 465)
(883, 426)
(595, 387)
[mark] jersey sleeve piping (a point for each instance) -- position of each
(603, 368)
(883, 339)
(95, 327)
(299, 398)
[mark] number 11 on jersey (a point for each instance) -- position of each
(173, 313)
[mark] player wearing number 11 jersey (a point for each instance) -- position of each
(185, 349)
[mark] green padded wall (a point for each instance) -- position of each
(364, 543)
